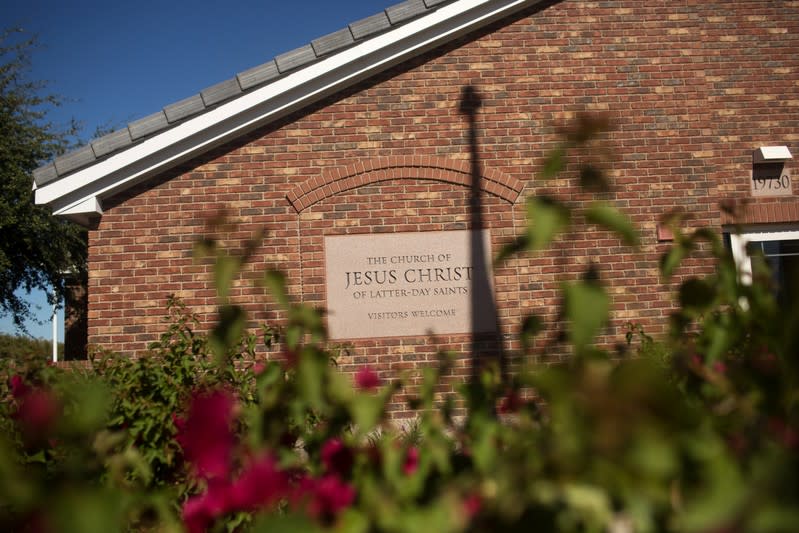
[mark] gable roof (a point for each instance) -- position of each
(75, 184)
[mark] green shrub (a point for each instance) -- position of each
(697, 433)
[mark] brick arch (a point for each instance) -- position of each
(341, 179)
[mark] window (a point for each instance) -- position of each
(780, 247)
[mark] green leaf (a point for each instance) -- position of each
(697, 295)
(546, 218)
(484, 449)
(366, 411)
(519, 244)
(225, 271)
(672, 259)
(291, 523)
(612, 219)
(229, 329)
(276, 283)
(554, 162)
(591, 502)
(311, 368)
(721, 495)
(88, 511)
(721, 337)
(352, 521)
(587, 306)
(531, 327)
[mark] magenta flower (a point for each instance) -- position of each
(206, 435)
(411, 461)
(37, 413)
(261, 484)
(472, 505)
(324, 497)
(511, 403)
(200, 512)
(18, 386)
(337, 458)
(367, 379)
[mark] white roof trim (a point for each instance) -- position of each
(75, 193)
(91, 205)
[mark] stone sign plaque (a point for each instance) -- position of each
(398, 284)
(771, 179)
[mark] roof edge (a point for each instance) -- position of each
(195, 135)
(244, 81)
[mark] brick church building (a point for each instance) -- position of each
(383, 197)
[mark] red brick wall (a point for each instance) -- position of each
(692, 88)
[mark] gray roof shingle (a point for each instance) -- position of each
(229, 89)
(405, 11)
(332, 42)
(220, 92)
(148, 125)
(370, 26)
(184, 109)
(74, 160)
(111, 143)
(295, 58)
(258, 75)
(45, 174)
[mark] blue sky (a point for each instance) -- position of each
(115, 62)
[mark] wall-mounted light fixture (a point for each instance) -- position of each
(771, 154)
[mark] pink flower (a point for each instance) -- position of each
(261, 484)
(325, 497)
(38, 413)
(18, 386)
(411, 461)
(199, 512)
(337, 458)
(720, 367)
(472, 505)
(511, 403)
(180, 425)
(367, 379)
(332, 496)
(206, 435)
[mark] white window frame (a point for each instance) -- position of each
(738, 242)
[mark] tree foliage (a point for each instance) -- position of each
(36, 248)
(14, 346)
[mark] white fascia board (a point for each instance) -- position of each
(89, 206)
(271, 102)
(84, 212)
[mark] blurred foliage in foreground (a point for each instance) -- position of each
(699, 433)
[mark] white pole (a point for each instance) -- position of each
(55, 332)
